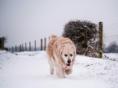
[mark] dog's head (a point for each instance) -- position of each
(68, 54)
(66, 51)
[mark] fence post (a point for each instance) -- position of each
(41, 44)
(16, 50)
(35, 45)
(12, 49)
(25, 46)
(100, 39)
(29, 46)
(20, 48)
(44, 43)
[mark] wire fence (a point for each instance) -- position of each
(30, 46)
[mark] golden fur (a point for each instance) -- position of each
(61, 55)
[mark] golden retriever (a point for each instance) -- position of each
(61, 55)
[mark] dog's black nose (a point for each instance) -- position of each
(69, 61)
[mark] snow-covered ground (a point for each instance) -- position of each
(31, 70)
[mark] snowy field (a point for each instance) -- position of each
(31, 70)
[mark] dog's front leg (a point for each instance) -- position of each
(51, 64)
(59, 68)
(60, 72)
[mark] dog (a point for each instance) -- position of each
(61, 53)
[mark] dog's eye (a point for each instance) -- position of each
(65, 55)
(71, 55)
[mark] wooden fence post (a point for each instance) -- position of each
(35, 45)
(25, 46)
(44, 43)
(20, 48)
(29, 46)
(41, 44)
(16, 49)
(12, 49)
(100, 39)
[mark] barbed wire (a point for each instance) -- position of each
(110, 36)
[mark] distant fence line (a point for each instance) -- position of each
(95, 48)
(30, 46)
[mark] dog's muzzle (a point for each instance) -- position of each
(68, 62)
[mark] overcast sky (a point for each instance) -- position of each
(28, 20)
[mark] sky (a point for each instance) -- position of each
(28, 20)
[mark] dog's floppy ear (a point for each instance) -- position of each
(59, 53)
(58, 49)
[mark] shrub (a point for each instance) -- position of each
(82, 33)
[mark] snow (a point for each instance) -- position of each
(31, 70)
